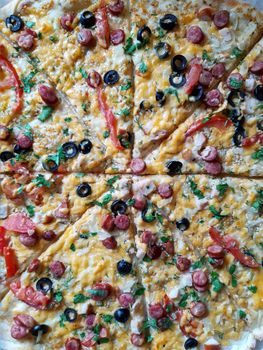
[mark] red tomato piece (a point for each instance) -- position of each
(11, 262)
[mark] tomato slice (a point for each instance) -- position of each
(192, 78)
(111, 121)
(19, 223)
(218, 121)
(11, 262)
(250, 141)
(4, 63)
(102, 26)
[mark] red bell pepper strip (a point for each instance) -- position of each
(250, 141)
(218, 121)
(11, 262)
(111, 121)
(6, 84)
(193, 78)
(230, 244)
(3, 240)
(4, 63)
(102, 26)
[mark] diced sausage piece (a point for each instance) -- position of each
(122, 222)
(34, 265)
(48, 95)
(148, 237)
(104, 289)
(154, 251)
(205, 77)
(73, 344)
(28, 240)
(257, 67)
(117, 36)
(19, 332)
(116, 7)
(26, 41)
(234, 81)
(165, 190)
(94, 79)
(169, 247)
(110, 243)
(198, 309)
(221, 19)
(108, 222)
(182, 263)
(214, 98)
(24, 141)
(195, 35)
(49, 235)
(199, 278)
(66, 21)
(218, 70)
(85, 37)
(205, 13)
(156, 311)
(137, 339)
(213, 168)
(57, 268)
(25, 320)
(138, 165)
(4, 133)
(215, 251)
(140, 202)
(209, 154)
(126, 299)
(90, 321)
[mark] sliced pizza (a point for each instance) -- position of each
(228, 140)
(92, 70)
(84, 291)
(181, 50)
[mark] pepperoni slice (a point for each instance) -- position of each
(66, 21)
(221, 19)
(19, 223)
(24, 142)
(108, 222)
(73, 344)
(34, 265)
(257, 67)
(116, 8)
(26, 41)
(195, 35)
(137, 165)
(101, 291)
(183, 264)
(156, 311)
(148, 237)
(169, 247)
(122, 222)
(205, 13)
(198, 309)
(110, 243)
(214, 98)
(205, 78)
(209, 154)
(126, 299)
(48, 95)
(213, 168)
(90, 321)
(192, 78)
(218, 70)
(19, 332)
(85, 37)
(165, 190)
(117, 36)
(57, 268)
(138, 339)
(25, 320)
(154, 251)
(199, 278)
(215, 251)
(140, 202)
(94, 79)
(28, 240)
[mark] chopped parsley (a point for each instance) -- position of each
(105, 200)
(27, 81)
(258, 203)
(150, 323)
(172, 91)
(45, 113)
(216, 283)
(53, 38)
(252, 289)
(106, 134)
(234, 83)
(80, 298)
(87, 235)
(83, 73)
(130, 202)
(205, 56)
(138, 290)
(242, 314)
(97, 292)
(126, 87)
(160, 32)
(72, 247)
(107, 318)
(216, 214)
(258, 155)
(129, 46)
(125, 112)
(31, 210)
(112, 180)
(222, 188)
(232, 270)
(40, 181)
(58, 297)
(62, 320)
(68, 119)
(199, 263)
(30, 24)
(143, 67)
(195, 190)
(236, 52)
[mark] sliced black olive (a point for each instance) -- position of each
(234, 115)
(118, 207)
(144, 34)
(160, 97)
(14, 23)
(39, 329)
(190, 343)
(19, 150)
(148, 214)
(239, 135)
(111, 77)
(87, 19)
(164, 323)
(50, 165)
(85, 146)
(70, 149)
(126, 139)
(177, 80)
(183, 224)
(6, 155)
(260, 124)
(168, 21)
(178, 63)
(258, 92)
(197, 94)
(174, 167)
(124, 267)
(44, 285)
(235, 97)
(83, 190)
(162, 50)
(145, 106)
(122, 315)
(70, 314)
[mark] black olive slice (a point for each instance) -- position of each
(173, 167)
(111, 77)
(70, 149)
(160, 97)
(190, 343)
(14, 23)
(260, 124)
(70, 314)
(235, 97)
(177, 80)
(6, 155)
(126, 139)
(162, 50)
(239, 135)
(183, 224)
(145, 106)
(122, 315)
(144, 34)
(83, 190)
(49, 164)
(124, 267)
(39, 329)
(197, 94)
(148, 214)
(118, 207)
(85, 146)
(44, 285)
(258, 92)
(178, 63)
(168, 21)
(87, 19)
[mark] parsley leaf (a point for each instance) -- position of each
(252, 289)
(236, 52)
(72, 247)
(105, 200)
(80, 298)
(258, 155)
(217, 214)
(83, 73)
(222, 188)
(40, 181)
(172, 91)
(45, 113)
(216, 283)
(195, 190)
(107, 318)
(143, 67)
(112, 180)
(242, 314)
(58, 297)
(31, 210)
(126, 87)
(28, 83)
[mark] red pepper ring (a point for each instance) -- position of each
(4, 63)
(250, 141)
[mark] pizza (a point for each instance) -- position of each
(131, 192)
